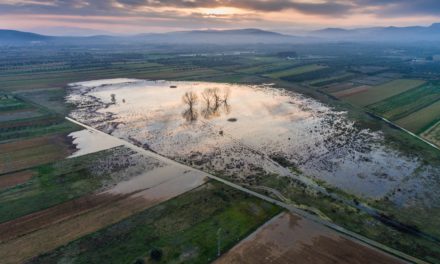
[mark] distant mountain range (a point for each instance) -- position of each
(19, 36)
(384, 34)
(238, 36)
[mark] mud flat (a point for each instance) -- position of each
(290, 238)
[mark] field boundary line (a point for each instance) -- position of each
(291, 208)
(406, 130)
(431, 128)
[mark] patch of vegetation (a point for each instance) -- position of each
(184, 229)
(36, 127)
(54, 184)
(407, 102)
(332, 79)
(421, 120)
(9, 102)
(296, 71)
(384, 91)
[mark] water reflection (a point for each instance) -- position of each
(214, 103)
(190, 99)
(263, 122)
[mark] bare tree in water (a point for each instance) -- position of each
(226, 104)
(208, 101)
(214, 101)
(190, 99)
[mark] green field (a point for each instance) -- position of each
(407, 102)
(421, 120)
(54, 184)
(9, 102)
(296, 71)
(268, 67)
(384, 91)
(185, 229)
(332, 79)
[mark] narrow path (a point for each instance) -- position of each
(355, 237)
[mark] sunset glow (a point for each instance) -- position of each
(287, 16)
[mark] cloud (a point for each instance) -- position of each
(201, 13)
(312, 7)
(82, 7)
(401, 8)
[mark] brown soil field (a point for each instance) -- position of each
(23, 154)
(12, 179)
(292, 239)
(46, 230)
(29, 223)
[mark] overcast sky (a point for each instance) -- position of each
(136, 16)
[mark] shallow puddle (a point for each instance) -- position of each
(88, 141)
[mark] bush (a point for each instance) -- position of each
(156, 254)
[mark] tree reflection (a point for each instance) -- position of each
(214, 103)
(190, 100)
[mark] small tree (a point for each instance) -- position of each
(156, 254)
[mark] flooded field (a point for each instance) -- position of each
(289, 237)
(87, 141)
(242, 131)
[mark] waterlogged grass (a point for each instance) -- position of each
(296, 71)
(185, 229)
(384, 91)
